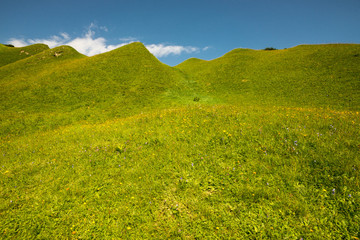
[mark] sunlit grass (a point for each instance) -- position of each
(221, 172)
(252, 145)
(13, 54)
(303, 76)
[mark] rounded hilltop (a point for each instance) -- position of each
(60, 52)
(123, 146)
(133, 50)
(305, 75)
(13, 54)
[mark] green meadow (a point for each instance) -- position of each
(256, 144)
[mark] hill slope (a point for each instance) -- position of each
(121, 146)
(187, 173)
(119, 83)
(13, 54)
(306, 75)
(37, 65)
(68, 87)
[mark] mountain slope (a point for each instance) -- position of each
(306, 75)
(13, 54)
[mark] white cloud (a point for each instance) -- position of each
(104, 28)
(93, 26)
(160, 50)
(90, 45)
(53, 41)
(65, 36)
(17, 42)
(87, 44)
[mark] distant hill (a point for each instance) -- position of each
(118, 83)
(253, 145)
(13, 54)
(306, 75)
(129, 80)
(128, 75)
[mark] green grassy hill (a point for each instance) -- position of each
(252, 145)
(306, 75)
(72, 87)
(13, 54)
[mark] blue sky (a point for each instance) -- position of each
(175, 30)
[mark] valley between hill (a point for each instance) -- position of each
(255, 144)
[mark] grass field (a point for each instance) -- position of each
(121, 146)
(11, 54)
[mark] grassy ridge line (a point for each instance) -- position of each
(122, 82)
(306, 75)
(94, 166)
(13, 54)
(130, 67)
(20, 79)
(22, 71)
(44, 91)
(200, 172)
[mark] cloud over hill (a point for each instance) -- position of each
(90, 45)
